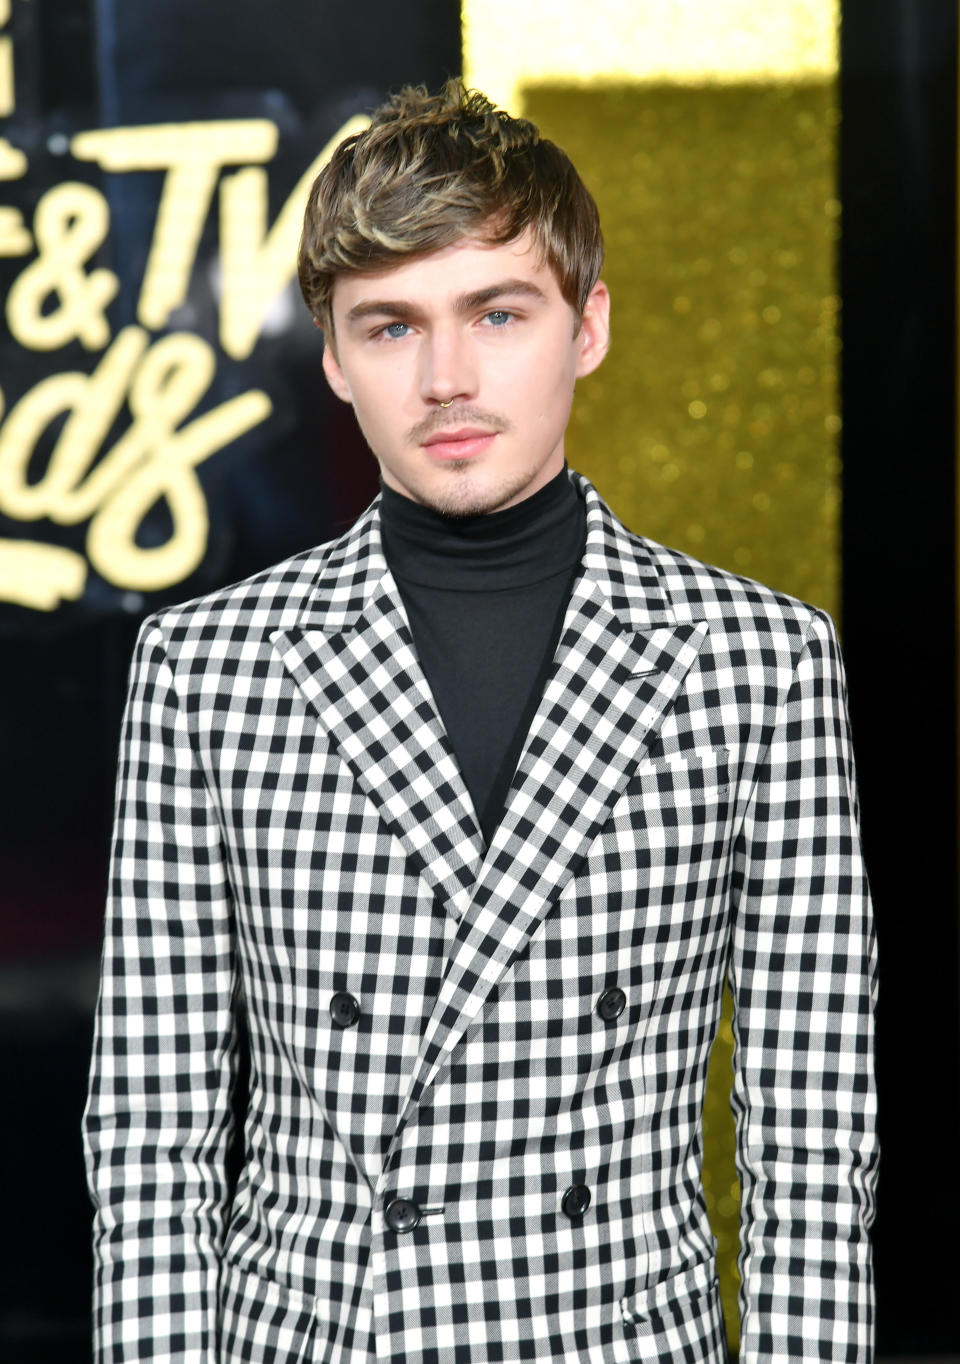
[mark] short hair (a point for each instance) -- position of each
(431, 169)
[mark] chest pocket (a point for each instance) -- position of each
(674, 818)
(701, 775)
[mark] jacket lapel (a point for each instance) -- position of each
(621, 660)
(352, 656)
(620, 663)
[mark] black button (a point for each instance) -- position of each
(611, 1004)
(403, 1215)
(576, 1201)
(344, 1010)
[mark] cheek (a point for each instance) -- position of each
(539, 387)
(378, 408)
(553, 396)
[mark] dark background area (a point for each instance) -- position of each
(898, 187)
(81, 64)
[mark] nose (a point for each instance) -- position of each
(447, 369)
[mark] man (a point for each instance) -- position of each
(469, 815)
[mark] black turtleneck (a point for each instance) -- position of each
(486, 596)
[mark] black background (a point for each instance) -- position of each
(898, 188)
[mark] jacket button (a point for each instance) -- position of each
(611, 1004)
(401, 1214)
(344, 1010)
(575, 1201)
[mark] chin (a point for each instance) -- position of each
(461, 495)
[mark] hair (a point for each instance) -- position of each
(431, 169)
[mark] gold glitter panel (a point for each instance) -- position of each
(507, 46)
(712, 425)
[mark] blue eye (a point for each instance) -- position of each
(499, 317)
(395, 331)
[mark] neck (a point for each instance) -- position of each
(514, 547)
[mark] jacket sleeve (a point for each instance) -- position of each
(802, 974)
(158, 1118)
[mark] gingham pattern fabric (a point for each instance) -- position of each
(292, 829)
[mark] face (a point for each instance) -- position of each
(460, 366)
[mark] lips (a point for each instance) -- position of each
(461, 433)
(464, 442)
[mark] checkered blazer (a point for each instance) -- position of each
(477, 1074)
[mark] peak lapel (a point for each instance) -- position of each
(353, 659)
(620, 663)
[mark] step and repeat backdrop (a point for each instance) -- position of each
(165, 426)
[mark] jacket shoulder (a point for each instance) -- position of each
(270, 598)
(635, 567)
(243, 616)
(701, 591)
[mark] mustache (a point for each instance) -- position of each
(451, 417)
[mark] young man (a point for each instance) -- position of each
(469, 815)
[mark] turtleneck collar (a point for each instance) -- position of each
(521, 545)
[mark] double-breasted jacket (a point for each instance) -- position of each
(476, 1074)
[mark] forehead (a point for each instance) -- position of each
(439, 276)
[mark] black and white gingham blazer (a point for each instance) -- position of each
(477, 1033)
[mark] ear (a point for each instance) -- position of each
(594, 335)
(335, 375)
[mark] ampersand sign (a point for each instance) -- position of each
(70, 224)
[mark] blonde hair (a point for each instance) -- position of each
(431, 169)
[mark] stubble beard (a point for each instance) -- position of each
(460, 497)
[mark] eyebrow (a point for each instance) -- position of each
(463, 303)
